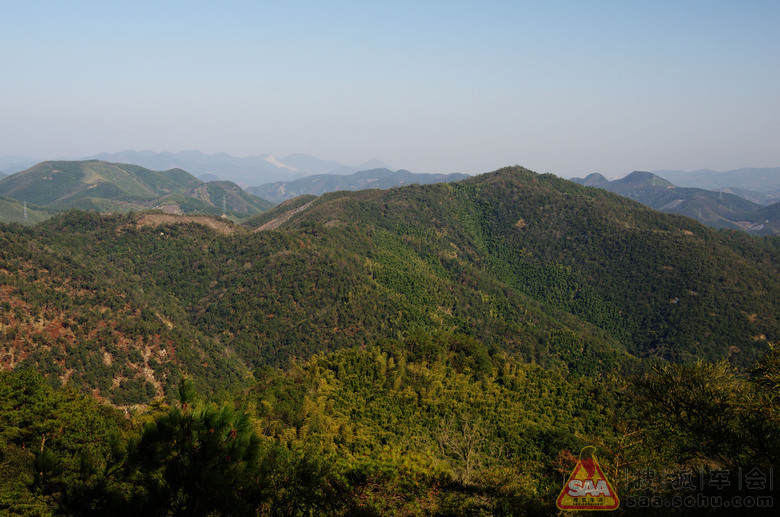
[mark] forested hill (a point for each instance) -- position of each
(566, 276)
(662, 284)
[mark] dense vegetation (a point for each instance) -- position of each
(664, 285)
(429, 350)
(558, 274)
(427, 426)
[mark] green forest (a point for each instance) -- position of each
(443, 349)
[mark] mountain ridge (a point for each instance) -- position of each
(716, 209)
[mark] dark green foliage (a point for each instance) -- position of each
(42, 429)
(191, 459)
(196, 461)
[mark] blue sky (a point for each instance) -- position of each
(569, 87)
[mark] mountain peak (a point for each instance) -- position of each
(594, 180)
(644, 178)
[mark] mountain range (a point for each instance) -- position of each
(54, 186)
(533, 265)
(246, 171)
(721, 209)
(438, 349)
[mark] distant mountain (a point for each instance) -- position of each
(247, 171)
(251, 170)
(64, 182)
(2, 175)
(208, 177)
(309, 164)
(592, 180)
(110, 187)
(715, 209)
(770, 215)
(368, 179)
(761, 185)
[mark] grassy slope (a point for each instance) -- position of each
(12, 211)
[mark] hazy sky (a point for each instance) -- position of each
(569, 87)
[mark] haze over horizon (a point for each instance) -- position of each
(563, 87)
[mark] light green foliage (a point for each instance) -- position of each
(411, 414)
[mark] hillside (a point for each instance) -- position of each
(715, 209)
(111, 187)
(214, 198)
(562, 275)
(321, 183)
(60, 183)
(13, 211)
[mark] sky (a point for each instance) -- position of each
(569, 87)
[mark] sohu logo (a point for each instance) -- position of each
(587, 487)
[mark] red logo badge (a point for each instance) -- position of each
(587, 487)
